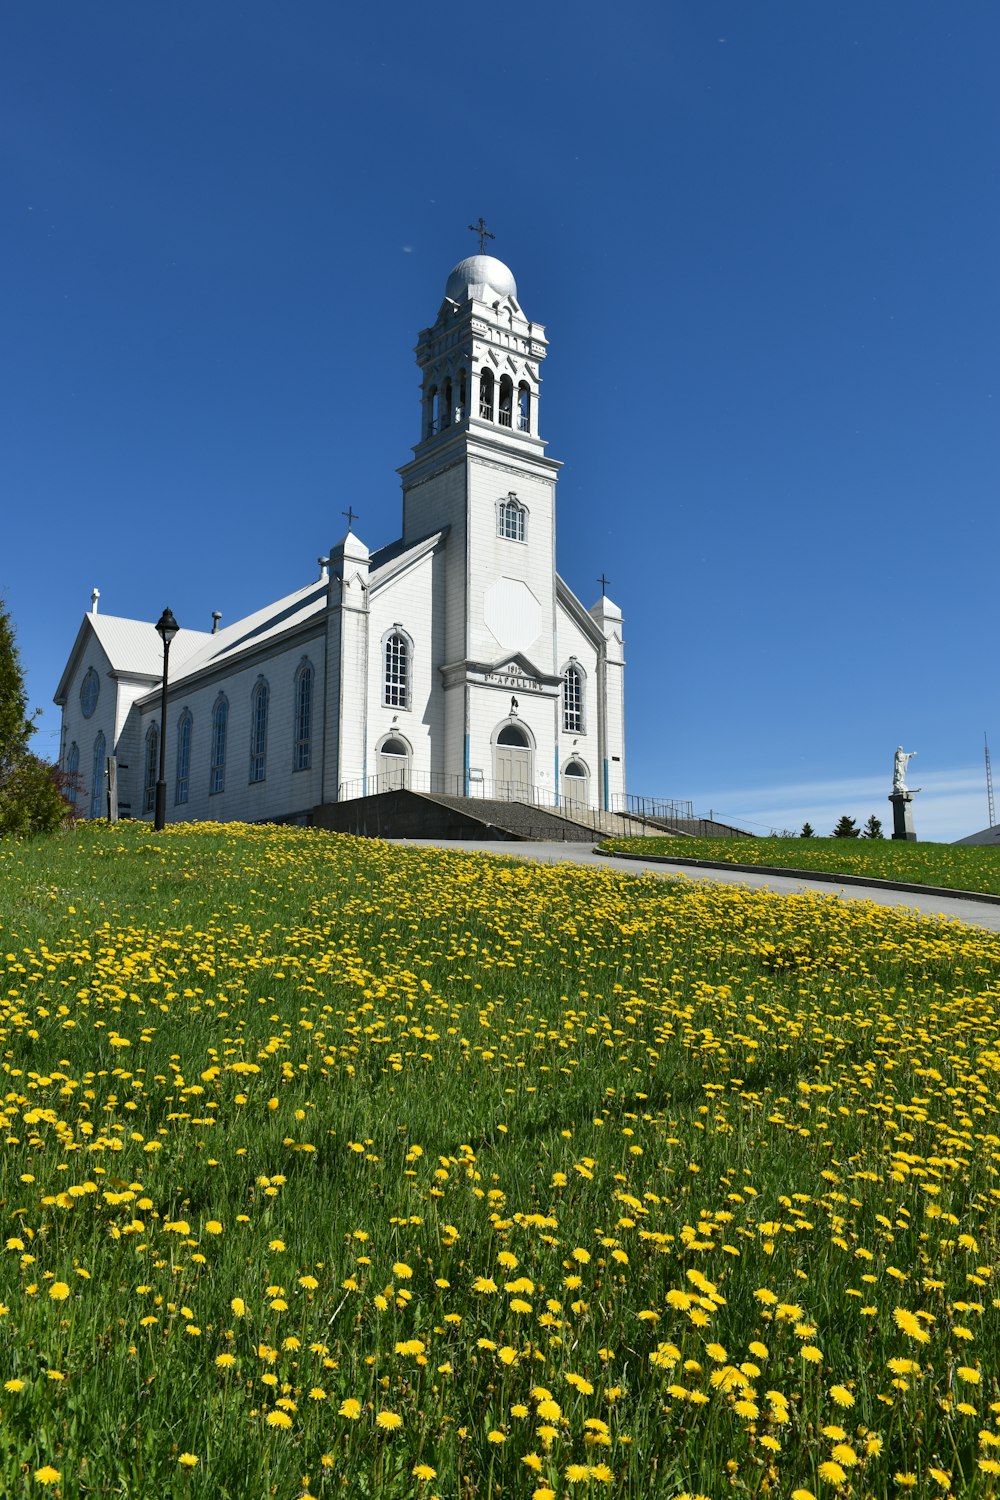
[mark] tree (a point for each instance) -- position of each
(846, 829)
(808, 831)
(873, 829)
(30, 796)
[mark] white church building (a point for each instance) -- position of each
(453, 660)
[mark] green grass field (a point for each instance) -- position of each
(333, 1169)
(967, 868)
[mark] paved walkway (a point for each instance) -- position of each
(977, 914)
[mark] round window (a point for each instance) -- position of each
(90, 690)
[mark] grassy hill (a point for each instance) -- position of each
(967, 868)
(337, 1169)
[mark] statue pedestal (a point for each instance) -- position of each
(902, 816)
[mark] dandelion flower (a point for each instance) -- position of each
(351, 1409)
(278, 1419)
(841, 1395)
(910, 1325)
(423, 1471)
(47, 1475)
(188, 1460)
(831, 1472)
(389, 1421)
(13, 1386)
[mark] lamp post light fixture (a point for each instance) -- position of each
(167, 627)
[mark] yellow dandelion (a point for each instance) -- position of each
(351, 1409)
(577, 1473)
(47, 1475)
(188, 1460)
(910, 1325)
(423, 1471)
(831, 1472)
(496, 1436)
(841, 1395)
(278, 1419)
(388, 1421)
(225, 1361)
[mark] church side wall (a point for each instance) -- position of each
(412, 602)
(284, 791)
(583, 746)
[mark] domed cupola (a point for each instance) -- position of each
(480, 360)
(481, 277)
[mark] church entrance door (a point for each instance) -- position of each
(512, 763)
(393, 767)
(575, 786)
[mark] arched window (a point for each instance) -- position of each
(303, 716)
(259, 700)
(73, 772)
(510, 519)
(220, 727)
(90, 691)
(97, 778)
(573, 699)
(463, 397)
(486, 395)
(511, 734)
(431, 420)
(506, 401)
(183, 778)
(150, 760)
(446, 405)
(523, 408)
(396, 683)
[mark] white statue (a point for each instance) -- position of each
(899, 767)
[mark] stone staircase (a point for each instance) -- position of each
(517, 820)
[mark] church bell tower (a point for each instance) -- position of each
(480, 469)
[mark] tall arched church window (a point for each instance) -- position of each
(510, 519)
(506, 401)
(149, 766)
(259, 701)
(182, 780)
(303, 716)
(97, 776)
(220, 733)
(430, 420)
(463, 397)
(573, 699)
(73, 772)
(523, 408)
(486, 395)
(446, 399)
(396, 682)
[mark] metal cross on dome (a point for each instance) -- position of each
(351, 515)
(483, 233)
(604, 585)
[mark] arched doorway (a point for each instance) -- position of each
(512, 763)
(393, 765)
(575, 787)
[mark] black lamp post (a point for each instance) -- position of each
(167, 627)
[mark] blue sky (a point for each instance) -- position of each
(763, 238)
